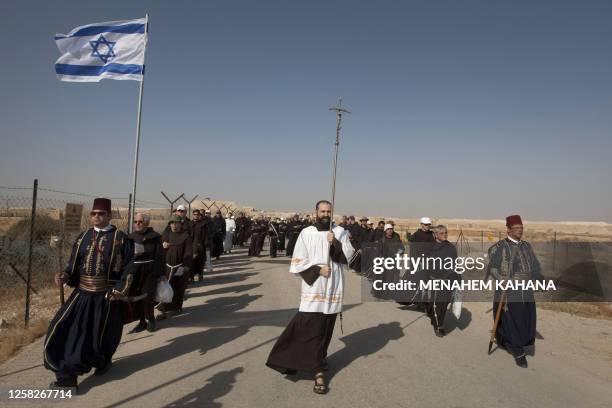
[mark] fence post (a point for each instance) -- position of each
(130, 221)
(30, 250)
(554, 256)
(482, 240)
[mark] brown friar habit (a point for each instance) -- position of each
(303, 344)
(149, 265)
(178, 253)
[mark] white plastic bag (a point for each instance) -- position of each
(457, 304)
(164, 292)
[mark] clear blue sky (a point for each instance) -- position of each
(460, 108)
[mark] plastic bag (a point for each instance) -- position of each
(457, 304)
(179, 271)
(164, 292)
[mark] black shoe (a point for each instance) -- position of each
(151, 327)
(104, 369)
(521, 361)
(440, 332)
(64, 383)
(139, 327)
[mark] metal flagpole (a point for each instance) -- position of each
(133, 203)
(339, 111)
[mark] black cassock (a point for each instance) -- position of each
(293, 232)
(242, 229)
(149, 265)
(258, 234)
(201, 242)
(515, 261)
(179, 254)
(217, 225)
(282, 234)
(86, 330)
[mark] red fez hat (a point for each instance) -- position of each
(102, 204)
(513, 220)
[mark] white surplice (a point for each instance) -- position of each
(312, 248)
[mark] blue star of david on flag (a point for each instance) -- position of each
(112, 50)
(95, 45)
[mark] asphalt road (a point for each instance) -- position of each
(213, 355)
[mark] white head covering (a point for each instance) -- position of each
(181, 207)
(425, 220)
(387, 226)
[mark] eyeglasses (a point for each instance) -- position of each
(100, 213)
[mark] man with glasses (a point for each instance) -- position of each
(86, 330)
(181, 212)
(149, 266)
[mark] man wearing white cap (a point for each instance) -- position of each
(181, 211)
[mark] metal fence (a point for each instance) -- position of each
(37, 229)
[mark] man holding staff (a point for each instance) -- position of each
(320, 258)
(86, 330)
(514, 259)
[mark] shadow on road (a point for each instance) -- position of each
(451, 322)
(229, 289)
(363, 343)
(218, 385)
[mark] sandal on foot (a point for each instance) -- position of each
(320, 386)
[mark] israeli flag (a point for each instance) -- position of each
(113, 50)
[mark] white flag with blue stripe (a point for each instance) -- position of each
(113, 50)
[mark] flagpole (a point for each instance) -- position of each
(138, 121)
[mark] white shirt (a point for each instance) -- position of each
(230, 225)
(513, 240)
(326, 294)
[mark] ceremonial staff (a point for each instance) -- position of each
(500, 306)
(339, 111)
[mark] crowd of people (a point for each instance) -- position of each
(117, 278)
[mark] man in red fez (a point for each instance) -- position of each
(86, 330)
(513, 259)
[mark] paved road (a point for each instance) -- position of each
(213, 355)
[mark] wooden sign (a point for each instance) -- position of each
(72, 218)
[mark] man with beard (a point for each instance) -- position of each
(320, 258)
(179, 256)
(294, 227)
(217, 232)
(86, 330)
(201, 245)
(282, 233)
(258, 234)
(149, 266)
(438, 301)
(513, 259)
